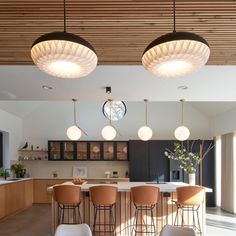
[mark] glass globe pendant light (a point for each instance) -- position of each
(109, 132)
(74, 132)
(63, 54)
(182, 132)
(145, 132)
(175, 54)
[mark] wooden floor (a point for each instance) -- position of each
(35, 221)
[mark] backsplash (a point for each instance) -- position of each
(64, 169)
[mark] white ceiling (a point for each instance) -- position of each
(129, 83)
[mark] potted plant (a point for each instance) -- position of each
(4, 173)
(18, 169)
(188, 159)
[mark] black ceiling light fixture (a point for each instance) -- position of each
(64, 55)
(176, 54)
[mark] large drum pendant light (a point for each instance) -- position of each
(63, 54)
(176, 54)
(145, 132)
(74, 132)
(182, 132)
(109, 131)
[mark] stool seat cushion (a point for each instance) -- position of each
(73, 230)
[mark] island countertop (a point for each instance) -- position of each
(126, 186)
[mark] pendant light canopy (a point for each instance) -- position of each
(74, 132)
(109, 132)
(176, 54)
(145, 132)
(182, 132)
(63, 54)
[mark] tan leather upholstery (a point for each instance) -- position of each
(145, 195)
(103, 195)
(190, 195)
(67, 194)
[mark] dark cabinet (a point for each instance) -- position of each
(87, 150)
(138, 161)
(147, 161)
(159, 163)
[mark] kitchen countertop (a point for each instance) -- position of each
(125, 186)
(8, 181)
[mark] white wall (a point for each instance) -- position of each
(224, 123)
(11, 126)
(50, 120)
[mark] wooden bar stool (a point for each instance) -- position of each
(103, 199)
(189, 199)
(68, 198)
(145, 199)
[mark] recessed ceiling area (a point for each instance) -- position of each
(128, 83)
(119, 30)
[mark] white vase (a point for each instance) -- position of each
(192, 178)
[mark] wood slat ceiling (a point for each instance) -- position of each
(118, 29)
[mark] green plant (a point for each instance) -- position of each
(188, 160)
(17, 168)
(4, 172)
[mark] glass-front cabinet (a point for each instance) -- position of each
(82, 151)
(54, 150)
(87, 150)
(68, 150)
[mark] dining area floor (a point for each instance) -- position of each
(36, 221)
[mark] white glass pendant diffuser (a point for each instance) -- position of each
(145, 132)
(182, 132)
(109, 132)
(63, 54)
(74, 132)
(176, 54)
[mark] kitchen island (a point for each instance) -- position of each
(124, 210)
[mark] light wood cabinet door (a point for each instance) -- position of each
(41, 194)
(15, 197)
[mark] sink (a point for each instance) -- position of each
(13, 179)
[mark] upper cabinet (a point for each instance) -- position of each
(88, 150)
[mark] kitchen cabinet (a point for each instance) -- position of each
(41, 194)
(147, 161)
(87, 150)
(15, 197)
(139, 160)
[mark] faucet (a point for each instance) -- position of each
(6, 173)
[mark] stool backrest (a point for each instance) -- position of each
(67, 194)
(103, 195)
(145, 195)
(190, 195)
(170, 230)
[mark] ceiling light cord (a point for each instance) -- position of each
(75, 112)
(174, 16)
(145, 100)
(64, 16)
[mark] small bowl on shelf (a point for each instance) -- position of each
(78, 181)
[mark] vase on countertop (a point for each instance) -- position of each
(192, 179)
